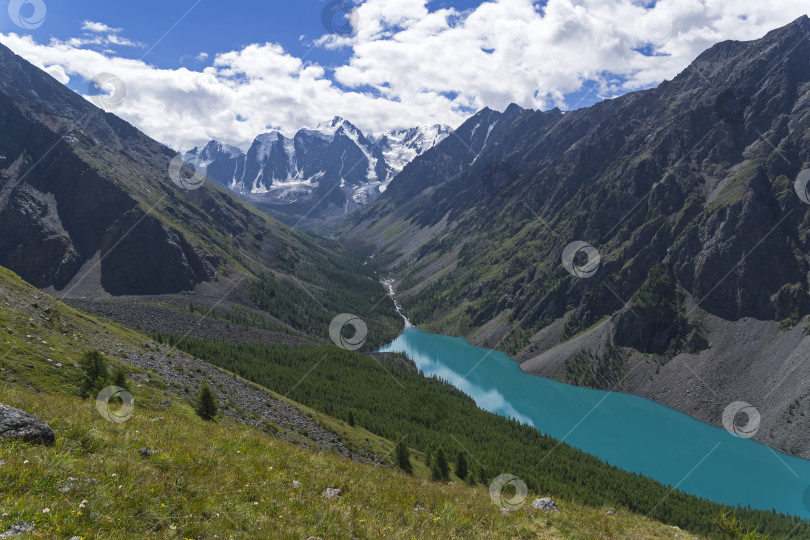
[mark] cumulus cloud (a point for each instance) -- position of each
(410, 65)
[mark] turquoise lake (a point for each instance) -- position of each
(628, 431)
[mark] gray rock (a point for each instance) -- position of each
(148, 452)
(16, 424)
(18, 529)
(332, 493)
(296, 484)
(545, 504)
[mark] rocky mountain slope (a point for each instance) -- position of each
(654, 243)
(93, 208)
(327, 171)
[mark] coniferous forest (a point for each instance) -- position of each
(434, 415)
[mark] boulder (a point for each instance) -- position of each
(19, 425)
(332, 493)
(545, 504)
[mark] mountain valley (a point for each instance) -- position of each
(248, 302)
(689, 284)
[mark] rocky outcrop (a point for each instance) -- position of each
(18, 425)
(139, 255)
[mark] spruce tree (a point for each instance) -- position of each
(95, 374)
(403, 457)
(461, 465)
(351, 418)
(206, 403)
(427, 458)
(119, 378)
(435, 473)
(482, 475)
(442, 465)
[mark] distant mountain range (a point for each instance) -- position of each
(330, 170)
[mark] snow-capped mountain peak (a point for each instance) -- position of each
(400, 147)
(332, 165)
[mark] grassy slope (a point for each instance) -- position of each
(215, 480)
(239, 483)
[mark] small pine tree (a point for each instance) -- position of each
(427, 458)
(206, 403)
(482, 475)
(435, 473)
(403, 457)
(119, 378)
(95, 374)
(351, 418)
(442, 465)
(461, 466)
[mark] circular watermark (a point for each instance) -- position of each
(806, 498)
(730, 105)
(336, 331)
(340, 17)
(801, 186)
(654, 28)
(27, 14)
(107, 91)
(500, 179)
(178, 172)
(107, 410)
(517, 500)
(734, 413)
(573, 263)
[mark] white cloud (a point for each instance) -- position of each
(203, 56)
(99, 28)
(424, 66)
(58, 73)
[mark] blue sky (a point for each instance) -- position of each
(273, 65)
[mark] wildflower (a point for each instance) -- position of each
(46, 510)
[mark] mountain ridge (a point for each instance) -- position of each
(110, 222)
(685, 192)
